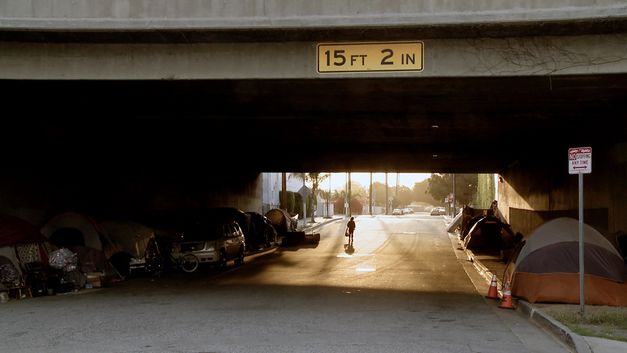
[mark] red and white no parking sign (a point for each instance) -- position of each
(580, 160)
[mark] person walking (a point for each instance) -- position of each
(351, 230)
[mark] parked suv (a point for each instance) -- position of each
(213, 240)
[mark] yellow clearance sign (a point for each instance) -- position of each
(370, 57)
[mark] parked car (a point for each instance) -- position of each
(438, 211)
(397, 211)
(212, 238)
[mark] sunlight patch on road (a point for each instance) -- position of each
(345, 255)
(366, 268)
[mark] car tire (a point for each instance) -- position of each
(189, 263)
(222, 261)
(239, 260)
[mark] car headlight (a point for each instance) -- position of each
(210, 247)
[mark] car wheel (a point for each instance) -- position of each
(239, 261)
(222, 261)
(189, 263)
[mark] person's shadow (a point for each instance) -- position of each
(349, 249)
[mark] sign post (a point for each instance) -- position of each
(580, 162)
(304, 191)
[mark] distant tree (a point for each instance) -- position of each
(356, 206)
(316, 179)
(420, 193)
(298, 204)
(441, 185)
(339, 197)
(358, 190)
(378, 191)
(404, 196)
(290, 201)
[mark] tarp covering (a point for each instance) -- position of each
(489, 233)
(547, 267)
(281, 220)
(455, 222)
(132, 237)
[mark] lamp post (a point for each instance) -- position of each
(387, 199)
(370, 196)
(329, 197)
(350, 212)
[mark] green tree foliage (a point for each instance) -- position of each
(358, 190)
(339, 197)
(298, 204)
(289, 199)
(356, 206)
(441, 185)
(378, 193)
(420, 193)
(486, 191)
(403, 198)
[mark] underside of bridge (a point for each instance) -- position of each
(123, 108)
(329, 124)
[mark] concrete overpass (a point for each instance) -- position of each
(145, 86)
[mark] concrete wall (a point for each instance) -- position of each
(534, 191)
(124, 14)
(126, 194)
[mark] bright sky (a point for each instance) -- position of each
(338, 180)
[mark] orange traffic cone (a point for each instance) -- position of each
(506, 302)
(493, 292)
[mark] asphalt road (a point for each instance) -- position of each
(405, 288)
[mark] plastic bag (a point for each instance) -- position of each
(63, 259)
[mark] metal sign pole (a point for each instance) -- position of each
(580, 163)
(581, 265)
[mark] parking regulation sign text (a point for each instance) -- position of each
(580, 160)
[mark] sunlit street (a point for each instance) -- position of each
(401, 289)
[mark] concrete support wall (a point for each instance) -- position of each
(533, 192)
(127, 194)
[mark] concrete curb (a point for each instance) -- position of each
(572, 340)
(323, 223)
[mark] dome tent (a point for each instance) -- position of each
(80, 228)
(546, 268)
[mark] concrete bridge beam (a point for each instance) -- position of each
(484, 57)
